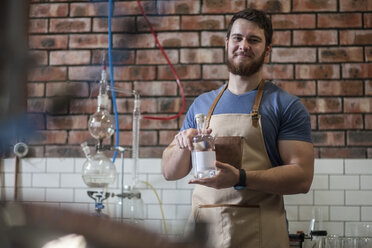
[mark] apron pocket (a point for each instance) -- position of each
(231, 225)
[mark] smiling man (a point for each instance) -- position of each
(269, 129)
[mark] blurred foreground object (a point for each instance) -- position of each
(30, 226)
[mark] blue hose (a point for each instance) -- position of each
(112, 79)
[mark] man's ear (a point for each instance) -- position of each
(226, 43)
(268, 50)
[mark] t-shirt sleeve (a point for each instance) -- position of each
(188, 122)
(295, 123)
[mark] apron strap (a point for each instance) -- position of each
(255, 108)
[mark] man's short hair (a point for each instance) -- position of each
(257, 16)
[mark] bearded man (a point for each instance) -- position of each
(269, 130)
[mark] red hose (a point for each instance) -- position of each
(172, 69)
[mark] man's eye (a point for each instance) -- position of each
(237, 38)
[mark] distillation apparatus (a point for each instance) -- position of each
(98, 170)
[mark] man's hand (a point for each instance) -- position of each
(227, 176)
(184, 138)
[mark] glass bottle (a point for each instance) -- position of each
(98, 170)
(203, 154)
(101, 123)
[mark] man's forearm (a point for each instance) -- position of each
(176, 162)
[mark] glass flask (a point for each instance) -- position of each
(131, 206)
(98, 170)
(101, 123)
(203, 155)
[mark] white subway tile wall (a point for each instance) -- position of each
(342, 190)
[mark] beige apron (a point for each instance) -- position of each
(240, 218)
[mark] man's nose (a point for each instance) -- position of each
(244, 45)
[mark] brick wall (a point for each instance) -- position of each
(322, 53)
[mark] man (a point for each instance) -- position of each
(272, 133)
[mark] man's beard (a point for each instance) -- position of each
(245, 69)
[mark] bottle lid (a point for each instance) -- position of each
(319, 233)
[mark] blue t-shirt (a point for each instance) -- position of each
(283, 116)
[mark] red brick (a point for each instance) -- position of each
(133, 41)
(331, 138)
(196, 88)
(368, 87)
(359, 138)
(298, 88)
(39, 57)
(319, 71)
(312, 6)
(213, 39)
(368, 54)
(83, 106)
(118, 24)
(74, 57)
(355, 5)
(183, 71)
(151, 124)
(49, 137)
(125, 121)
(146, 138)
(69, 25)
(313, 122)
(178, 7)
(369, 152)
(292, 21)
(89, 9)
(368, 121)
(131, 8)
(340, 121)
(85, 41)
(358, 105)
(36, 151)
(222, 6)
(355, 37)
(125, 105)
(119, 57)
(315, 38)
(169, 105)
(159, 23)
(282, 38)
(285, 55)
(36, 105)
(78, 137)
(277, 72)
(48, 41)
(357, 70)
(202, 22)
(67, 122)
(156, 88)
(271, 6)
(151, 152)
(343, 20)
(48, 10)
(340, 88)
(179, 39)
(47, 74)
(323, 105)
(201, 56)
(367, 20)
(37, 26)
(67, 89)
(341, 54)
(63, 151)
(153, 57)
(135, 73)
(338, 153)
(35, 89)
(166, 137)
(92, 73)
(219, 72)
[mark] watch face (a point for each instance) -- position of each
(239, 187)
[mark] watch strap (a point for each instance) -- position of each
(242, 177)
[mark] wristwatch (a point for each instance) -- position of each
(241, 184)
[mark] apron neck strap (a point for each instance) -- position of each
(255, 108)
